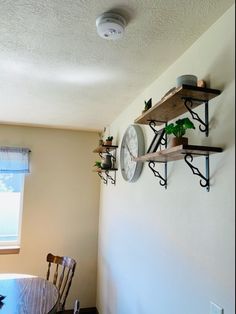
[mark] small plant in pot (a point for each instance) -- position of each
(98, 164)
(178, 129)
(108, 141)
(148, 105)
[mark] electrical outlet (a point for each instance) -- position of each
(216, 309)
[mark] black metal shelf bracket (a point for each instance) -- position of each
(163, 142)
(105, 174)
(113, 180)
(105, 180)
(205, 180)
(163, 180)
(101, 155)
(204, 125)
(152, 124)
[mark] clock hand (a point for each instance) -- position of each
(132, 156)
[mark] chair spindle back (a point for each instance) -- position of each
(64, 268)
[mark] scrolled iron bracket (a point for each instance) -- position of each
(204, 126)
(205, 180)
(163, 181)
(153, 124)
(101, 155)
(102, 177)
(113, 181)
(164, 141)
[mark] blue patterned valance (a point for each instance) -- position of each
(14, 160)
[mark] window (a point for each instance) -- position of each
(14, 163)
(11, 196)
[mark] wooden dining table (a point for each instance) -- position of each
(26, 294)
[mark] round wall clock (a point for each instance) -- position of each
(132, 146)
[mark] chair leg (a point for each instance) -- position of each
(77, 307)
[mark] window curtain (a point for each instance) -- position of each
(14, 160)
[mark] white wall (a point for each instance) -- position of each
(61, 198)
(172, 252)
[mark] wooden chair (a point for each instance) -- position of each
(64, 269)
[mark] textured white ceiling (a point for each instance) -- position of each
(56, 71)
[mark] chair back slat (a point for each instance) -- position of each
(48, 272)
(64, 268)
(55, 276)
(66, 287)
(65, 283)
(61, 278)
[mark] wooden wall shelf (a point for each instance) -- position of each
(175, 103)
(105, 148)
(105, 170)
(109, 174)
(179, 152)
(172, 105)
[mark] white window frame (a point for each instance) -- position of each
(16, 244)
(8, 155)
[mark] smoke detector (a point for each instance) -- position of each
(110, 26)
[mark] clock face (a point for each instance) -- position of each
(132, 146)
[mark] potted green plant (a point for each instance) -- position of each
(109, 140)
(178, 129)
(98, 164)
(148, 105)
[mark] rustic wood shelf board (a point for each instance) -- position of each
(172, 105)
(178, 152)
(105, 170)
(104, 149)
